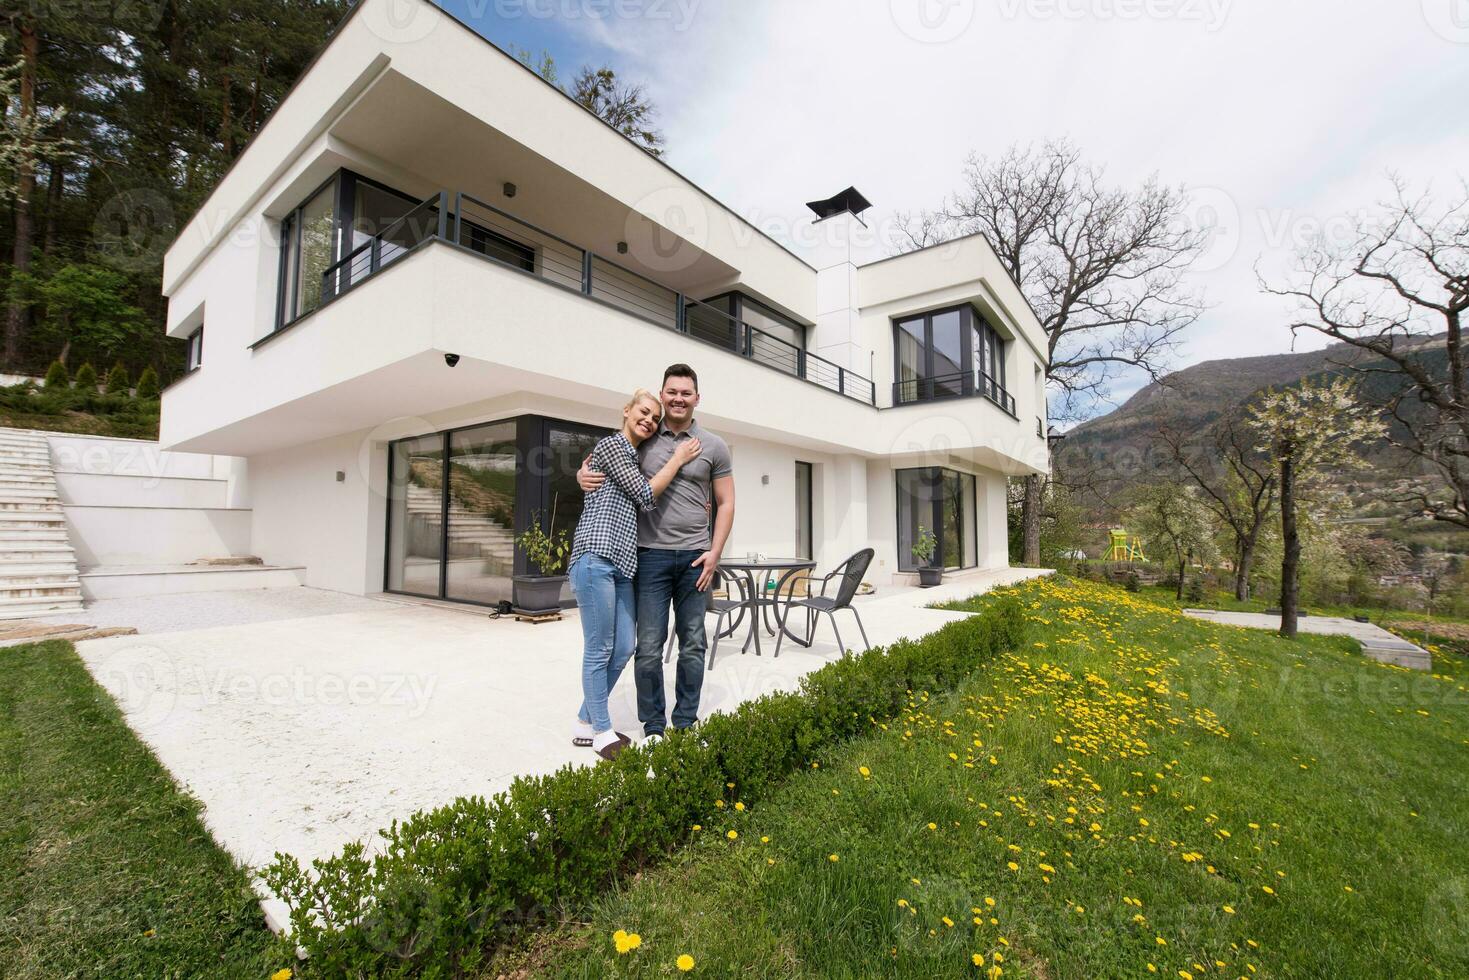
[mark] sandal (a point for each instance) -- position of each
(614, 748)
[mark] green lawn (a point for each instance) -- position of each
(1135, 794)
(105, 869)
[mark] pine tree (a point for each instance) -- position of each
(87, 378)
(148, 383)
(118, 381)
(56, 376)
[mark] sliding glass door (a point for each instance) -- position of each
(458, 499)
(942, 502)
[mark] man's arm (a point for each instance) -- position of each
(587, 478)
(724, 501)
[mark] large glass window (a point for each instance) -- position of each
(415, 515)
(767, 336)
(317, 223)
(942, 502)
(480, 546)
(946, 354)
(455, 539)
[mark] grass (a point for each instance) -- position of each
(1135, 794)
(105, 866)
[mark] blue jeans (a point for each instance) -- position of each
(666, 576)
(604, 597)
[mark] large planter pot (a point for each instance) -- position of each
(537, 593)
(929, 576)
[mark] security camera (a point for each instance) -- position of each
(451, 359)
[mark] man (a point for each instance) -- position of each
(678, 553)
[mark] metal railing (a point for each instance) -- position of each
(964, 384)
(487, 231)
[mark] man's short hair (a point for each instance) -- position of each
(681, 371)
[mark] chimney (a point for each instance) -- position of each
(837, 226)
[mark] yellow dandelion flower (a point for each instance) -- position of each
(1229, 909)
(864, 771)
(733, 835)
(977, 959)
(284, 973)
(1012, 866)
(933, 826)
(740, 807)
(685, 963)
(833, 858)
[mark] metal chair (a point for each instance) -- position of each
(849, 573)
(723, 608)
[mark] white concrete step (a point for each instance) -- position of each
(31, 517)
(113, 582)
(26, 608)
(29, 503)
(12, 539)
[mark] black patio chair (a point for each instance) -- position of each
(849, 575)
(722, 608)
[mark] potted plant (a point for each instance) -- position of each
(547, 550)
(929, 574)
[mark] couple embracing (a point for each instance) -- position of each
(646, 542)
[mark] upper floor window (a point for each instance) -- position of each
(311, 244)
(750, 327)
(194, 357)
(948, 353)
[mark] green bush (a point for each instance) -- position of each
(1134, 583)
(1194, 591)
(148, 383)
(449, 882)
(118, 381)
(87, 377)
(56, 376)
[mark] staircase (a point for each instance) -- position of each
(472, 535)
(38, 569)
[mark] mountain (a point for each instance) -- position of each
(1113, 452)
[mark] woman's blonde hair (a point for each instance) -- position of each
(639, 395)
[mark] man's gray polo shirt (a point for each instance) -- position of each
(681, 521)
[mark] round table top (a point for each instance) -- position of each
(760, 564)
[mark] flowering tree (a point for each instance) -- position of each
(1396, 293)
(1309, 431)
(1172, 516)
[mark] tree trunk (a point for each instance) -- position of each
(25, 171)
(55, 185)
(1242, 564)
(1030, 521)
(1290, 563)
(1182, 568)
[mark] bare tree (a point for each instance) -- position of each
(1102, 267)
(1237, 484)
(1397, 292)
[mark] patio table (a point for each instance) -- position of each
(759, 573)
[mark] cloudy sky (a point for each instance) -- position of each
(1280, 117)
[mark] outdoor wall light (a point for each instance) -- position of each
(451, 359)
(765, 479)
(622, 248)
(509, 189)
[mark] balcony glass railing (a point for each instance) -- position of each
(471, 224)
(965, 384)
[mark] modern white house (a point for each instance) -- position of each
(432, 280)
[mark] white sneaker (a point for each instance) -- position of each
(651, 740)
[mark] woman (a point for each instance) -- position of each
(604, 558)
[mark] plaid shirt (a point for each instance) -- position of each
(609, 516)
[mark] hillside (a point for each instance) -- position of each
(1119, 449)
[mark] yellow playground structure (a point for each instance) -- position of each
(1121, 550)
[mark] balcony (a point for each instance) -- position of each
(965, 384)
(471, 225)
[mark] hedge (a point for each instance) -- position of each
(448, 883)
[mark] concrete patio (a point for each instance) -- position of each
(305, 732)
